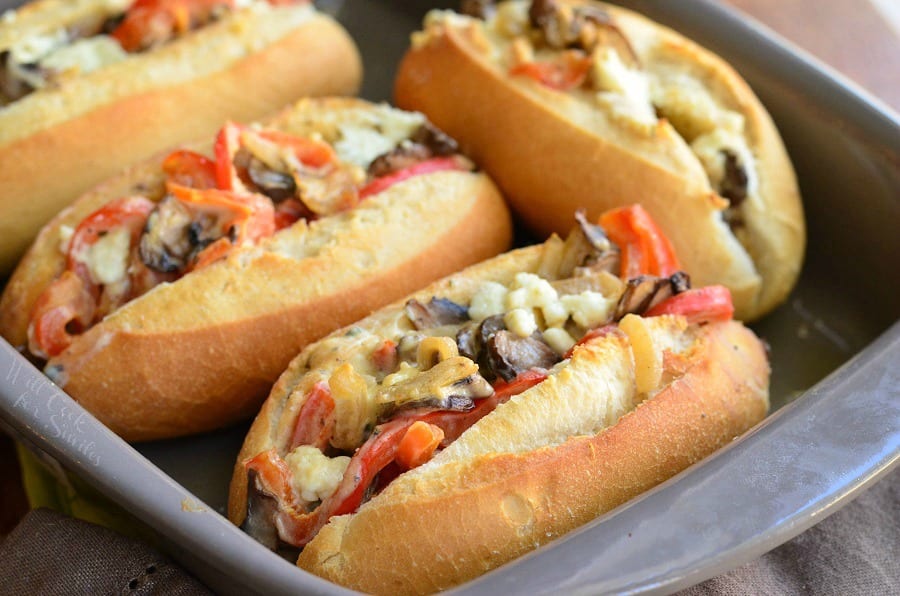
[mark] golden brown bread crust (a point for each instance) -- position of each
(552, 154)
(229, 329)
(425, 535)
(55, 144)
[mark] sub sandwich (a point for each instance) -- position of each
(169, 299)
(573, 103)
(496, 410)
(88, 87)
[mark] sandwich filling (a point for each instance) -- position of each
(258, 182)
(375, 402)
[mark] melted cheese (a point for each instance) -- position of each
(314, 475)
(107, 258)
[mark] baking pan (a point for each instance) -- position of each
(835, 349)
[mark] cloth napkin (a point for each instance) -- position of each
(855, 551)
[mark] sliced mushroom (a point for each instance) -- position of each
(681, 282)
(276, 185)
(328, 193)
(641, 293)
(14, 78)
(646, 291)
(600, 29)
(512, 355)
(467, 340)
(480, 9)
(261, 511)
(556, 23)
(436, 313)
(452, 384)
(734, 187)
(594, 234)
(403, 156)
(426, 142)
(587, 247)
(437, 141)
(166, 243)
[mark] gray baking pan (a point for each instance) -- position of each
(835, 349)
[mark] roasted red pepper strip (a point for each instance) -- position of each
(188, 168)
(252, 215)
(645, 249)
(273, 473)
(130, 211)
(379, 451)
(315, 423)
(567, 72)
(316, 154)
(66, 303)
(151, 22)
(375, 451)
(698, 305)
(226, 146)
(503, 390)
(429, 166)
(70, 303)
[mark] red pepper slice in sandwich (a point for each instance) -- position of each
(188, 168)
(568, 71)
(379, 450)
(698, 305)
(645, 248)
(69, 304)
(429, 166)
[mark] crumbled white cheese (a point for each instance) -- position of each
(315, 476)
(588, 309)
(559, 340)
(521, 321)
(85, 55)
(107, 258)
(31, 49)
(363, 141)
(625, 90)
(489, 300)
(530, 292)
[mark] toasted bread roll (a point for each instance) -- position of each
(75, 108)
(574, 104)
(201, 349)
(566, 430)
